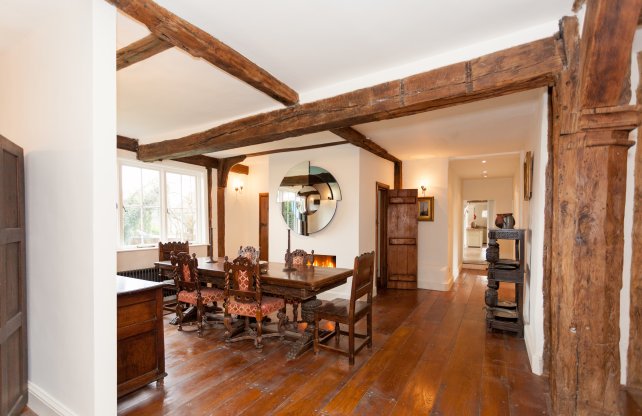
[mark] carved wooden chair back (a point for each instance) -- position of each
(165, 249)
(362, 279)
(185, 271)
(242, 279)
(250, 253)
(301, 258)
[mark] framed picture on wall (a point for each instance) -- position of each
(426, 208)
(528, 176)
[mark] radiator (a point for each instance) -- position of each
(151, 274)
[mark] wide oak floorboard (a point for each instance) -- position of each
(431, 355)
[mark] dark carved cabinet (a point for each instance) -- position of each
(505, 315)
(141, 347)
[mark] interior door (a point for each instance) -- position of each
(264, 215)
(13, 295)
(402, 238)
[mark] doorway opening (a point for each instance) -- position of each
(381, 236)
(475, 239)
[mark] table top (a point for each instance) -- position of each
(310, 278)
(126, 285)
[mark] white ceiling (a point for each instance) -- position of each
(503, 165)
(316, 44)
(19, 17)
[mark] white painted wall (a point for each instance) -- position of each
(533, 222)
(242, 208)
(455, 225)
(432, 245)
(58, 102)
(341, 236)
(372, 169)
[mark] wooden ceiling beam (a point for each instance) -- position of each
(358, 139)
(198, 43)
(129, 144)
(202, 45)
(295, 149)
(140, 50)
(520, 68)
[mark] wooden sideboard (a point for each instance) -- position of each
(141, 344)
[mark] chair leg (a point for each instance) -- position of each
(227, 321)
(179, 314)
(259, 332)
(337, 332)
(369, 323)
(281, 325)
(199, 317)
(351, 343)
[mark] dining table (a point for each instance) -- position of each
(301, 284)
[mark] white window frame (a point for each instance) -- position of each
(163, 168)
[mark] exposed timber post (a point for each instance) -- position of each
(589, 183)
(225, 166)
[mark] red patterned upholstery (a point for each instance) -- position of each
(209, 295)
(268, 305)
(298, 260)
(187, 275)
(243, 280)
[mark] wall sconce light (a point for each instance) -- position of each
(423, 190)
(238, 187)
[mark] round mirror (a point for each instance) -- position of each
(308, 196)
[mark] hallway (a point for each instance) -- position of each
(431, 355)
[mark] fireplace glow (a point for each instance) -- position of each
(323, 260)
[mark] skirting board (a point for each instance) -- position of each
(44, 405)
(442, 287)
(535, 361)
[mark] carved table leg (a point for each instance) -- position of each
(306, 339)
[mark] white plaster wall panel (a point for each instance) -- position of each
(64, 118)
(432, 244)
(341, 236)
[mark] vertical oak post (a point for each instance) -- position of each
(223, 171)
(210, 234)
(590, 156)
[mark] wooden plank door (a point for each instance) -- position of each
(402, 238)
(264, 215)
(13, 293)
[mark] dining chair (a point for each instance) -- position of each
(250, 253)
(300, 258)
(349, 311)
(243, 297)
(189, 289)
(164, 254)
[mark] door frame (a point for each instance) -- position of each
(381, 226)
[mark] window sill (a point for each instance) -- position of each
(154, 248)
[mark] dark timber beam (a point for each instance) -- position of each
(126, 143)
(140, 50)
(295, 149)
(218, 54)
(359, 140)
(511, 70)
(184, 35)
(590, 149)
(221, 176)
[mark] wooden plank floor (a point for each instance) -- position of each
(431, 355)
